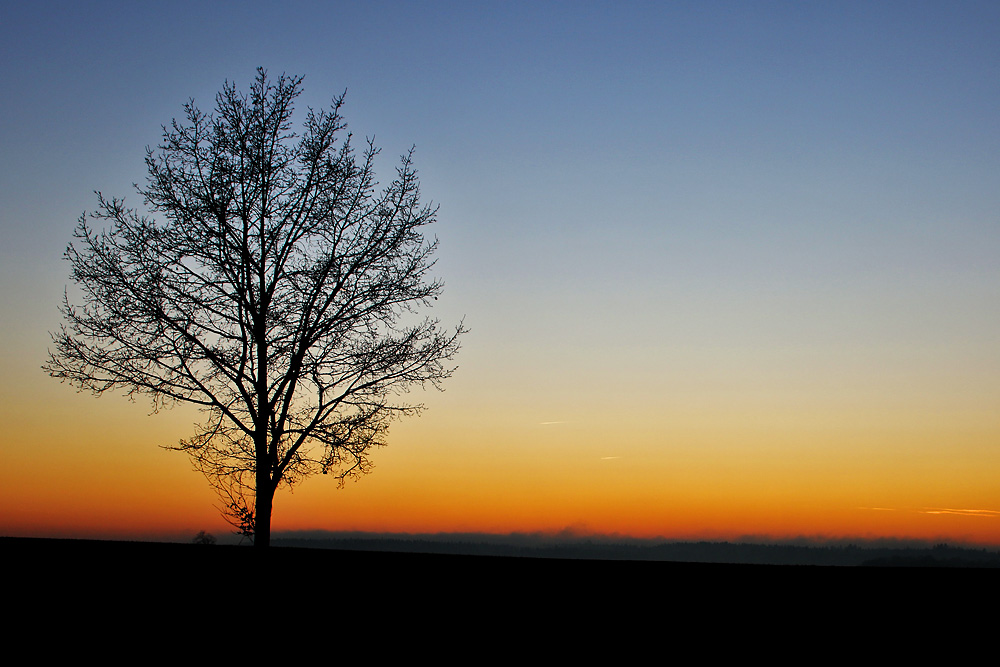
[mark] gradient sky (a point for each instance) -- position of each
(731, 268)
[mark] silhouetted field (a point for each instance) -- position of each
(77, 596)
(411, 601)
(139, 568)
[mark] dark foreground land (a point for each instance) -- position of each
(62, 568)
(418, 603)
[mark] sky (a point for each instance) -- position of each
(730, 268)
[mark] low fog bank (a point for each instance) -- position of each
(746, 550)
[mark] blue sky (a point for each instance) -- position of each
(643, 204)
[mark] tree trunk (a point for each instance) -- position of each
(264, 492)
(262, 513)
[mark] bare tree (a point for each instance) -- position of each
(277, 289)
(203, 538)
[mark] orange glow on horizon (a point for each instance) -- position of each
(689, 474)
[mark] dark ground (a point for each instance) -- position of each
(137, 569)
(177, 597)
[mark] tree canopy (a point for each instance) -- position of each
(272, 283)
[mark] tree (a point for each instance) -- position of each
(278, 290)
(203, 538)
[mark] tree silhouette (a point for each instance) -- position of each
(272, 284)
(203, 538)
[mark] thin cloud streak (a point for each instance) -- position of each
(941, 510)
(963, 512)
